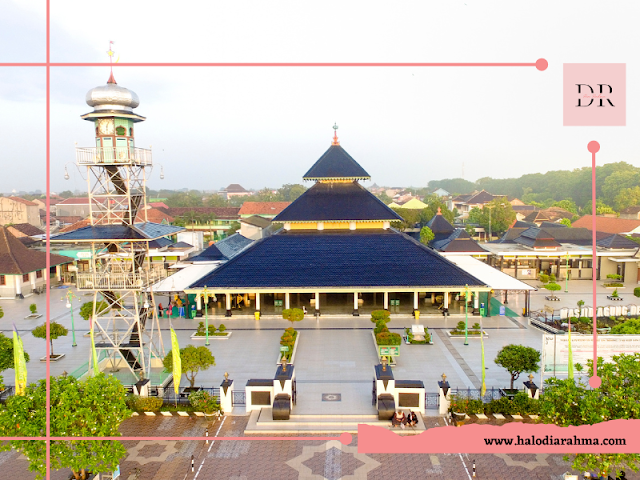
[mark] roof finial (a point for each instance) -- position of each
(439, 211)
(335, 135)
(110, 53)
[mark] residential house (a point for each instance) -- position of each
(234, 190)
(263, 209)
(26, 233)
(24, 271)
(551, 215)
(18, 210)
(623, 226)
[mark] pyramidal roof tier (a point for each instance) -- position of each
(337, 202)
(336, 164)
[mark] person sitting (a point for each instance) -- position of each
(412, 419)
(398, 419)
(160, 310)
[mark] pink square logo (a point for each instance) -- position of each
(594, 94)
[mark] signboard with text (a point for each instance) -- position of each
(389, 350)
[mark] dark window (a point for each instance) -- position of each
(25, 277)
(39, 274)
(408, 400)
(2, 280)
(260, 398)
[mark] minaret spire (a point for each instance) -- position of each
(335, 135)
(110, 53)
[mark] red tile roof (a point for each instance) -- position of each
(25, 202)
(153, 215)
(16, 259)
(608, 224)
(24, 229)
(262, 208)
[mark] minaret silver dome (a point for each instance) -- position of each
(112, 97)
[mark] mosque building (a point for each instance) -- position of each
(336, 253)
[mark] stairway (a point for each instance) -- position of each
(261, 423)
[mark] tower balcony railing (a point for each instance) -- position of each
(120, 280)
(113, 155)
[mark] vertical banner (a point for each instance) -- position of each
(94, 354)
(177, 363)
(19, 363)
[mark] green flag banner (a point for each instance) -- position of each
(483, 390)
(177, 363)
(570, 352)
(94, 354)
(19, 364)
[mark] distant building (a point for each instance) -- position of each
(610, 225)
(234, 190)
(222, 219)
(263, 209)
(22, 270)
(74, 206)
(631, 213)
(551, 215)
(465, 203)
(412, 204)
(255, 227)
(26, 233)
(441, 192)
(19, 210)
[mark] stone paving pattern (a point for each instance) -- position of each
(292, 460)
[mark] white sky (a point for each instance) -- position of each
(210, 127)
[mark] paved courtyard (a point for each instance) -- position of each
(291, 460)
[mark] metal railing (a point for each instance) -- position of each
(170, 397)
(9, 391)
(113, 155)
(238, 397)
(118, 281)
(474, 393)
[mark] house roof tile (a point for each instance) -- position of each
(262, 208)
(16, 259)
(608, 224)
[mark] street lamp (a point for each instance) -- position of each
(69, 297)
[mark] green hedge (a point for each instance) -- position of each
(380, 315)
(288, 339)
(143, 404)
(520, 405)
(388, 338)
(553, 287)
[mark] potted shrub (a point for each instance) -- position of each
(517, 359)
(33, 308)
(202, 401)
(55, 330)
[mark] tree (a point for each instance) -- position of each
(567, 204)
(1, 312)
(86, 309)
(566, 222)
(216, 201)
(289, 192)
(426, 235)
(55, 330)
(6, 353)
(630, 327)
(627, 197)
(194, 359)
(517, 359)
(500, 218)
(384, 198)
(293, 314)
(409, 218)
(566, 402)
(94, 407)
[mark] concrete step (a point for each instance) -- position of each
(261, 422)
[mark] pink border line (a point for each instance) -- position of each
(540, 64)
(537, 64)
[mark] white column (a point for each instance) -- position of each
(228, 297)
(258, 301)
(58, 273)
(476, 300)
(287, 300)
(32, 278)
(416, 300)
(386, 301)
(446, 299)
(317, 300)
(199, 302)
(355, 300)
(18, 284)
